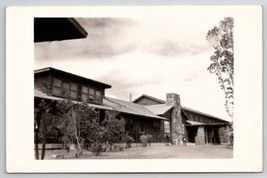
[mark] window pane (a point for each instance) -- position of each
(56, 91)
(84, 89)
(98, 100)
(73, 94)
(57, 82)
(97, 93)
(91, 98)
(91, 91)
(84, 97)
(66, 85)
(74, 87)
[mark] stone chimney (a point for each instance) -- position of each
(177, 127)
(172, 99)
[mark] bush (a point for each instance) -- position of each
(97, 148)
(144, 140)
(149, 139)
(128, 140)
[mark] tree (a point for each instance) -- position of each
(222, 61)
(42, 114)
(114, 127)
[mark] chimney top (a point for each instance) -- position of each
(172, 99)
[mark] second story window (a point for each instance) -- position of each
(84, 93)
(57, 90)
(65, 89)
(91, 94)
(98, 96)
(73, 91)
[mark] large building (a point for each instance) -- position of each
(164, 120)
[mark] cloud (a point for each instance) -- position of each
(178, 48)
(141, 56)
(105, 39)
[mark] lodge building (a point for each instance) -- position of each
(145, 115)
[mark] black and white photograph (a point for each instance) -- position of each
(134, 88)
(137, 84)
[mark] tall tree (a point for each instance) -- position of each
(222, 61)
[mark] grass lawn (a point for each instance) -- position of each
(155, 151)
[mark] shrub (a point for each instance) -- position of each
(128, 140)
(149, 139)
(144, 140)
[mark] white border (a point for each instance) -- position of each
(19, 92)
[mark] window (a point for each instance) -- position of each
(91, 94)
(84, 93)
(64, 89)
(56, 90)
(98, 96)
(156, 126)
(166, 126)
(73, 91)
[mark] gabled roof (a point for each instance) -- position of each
(51, 70)
(42, 95)
(158, 109)
(150, 97)
(57, 29)
(130, 108)
(202, 113)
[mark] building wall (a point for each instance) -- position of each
(43, 84)
(137, 126)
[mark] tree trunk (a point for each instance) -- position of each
(79, 151)
(44, 136)
(36, 145)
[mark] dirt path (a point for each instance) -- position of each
(159, 152)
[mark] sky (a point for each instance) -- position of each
(136, 56)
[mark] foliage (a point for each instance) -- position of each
(114, 127)
(222, 61)
(128, 140)
(144, 140)
(77, 123)
(149, 138)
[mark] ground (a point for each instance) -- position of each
(155, 151)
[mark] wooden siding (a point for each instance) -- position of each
(136, 126)
(45, 84)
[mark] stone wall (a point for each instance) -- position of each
(200, 138)
(177, 126)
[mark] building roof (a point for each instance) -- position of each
(194, 123)
(57, 29)
(42, 95)
(202, 113)
(50, 70)
(158, 109)
(151, 97)
(130, 108)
